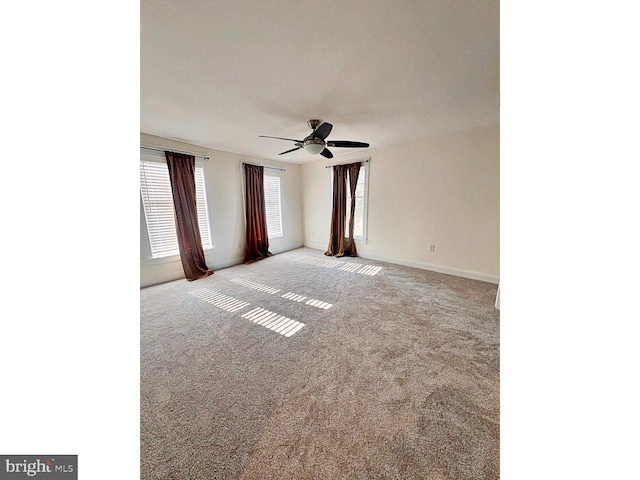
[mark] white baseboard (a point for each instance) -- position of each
(315, 246)
(227, 264)
(286, 249)
(458, 272)
(239, 260)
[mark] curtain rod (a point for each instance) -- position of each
(347, 163)
(158, 149)
(265, 166)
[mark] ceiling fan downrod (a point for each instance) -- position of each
(314, 123)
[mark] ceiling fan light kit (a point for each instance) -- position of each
(316, 142)
(314, 146)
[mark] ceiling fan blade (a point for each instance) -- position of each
(323, 131)
(281, 138)
(326, 153)
(292, 150)
(347, 144)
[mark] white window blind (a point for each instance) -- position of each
(272, 205)
(203, 211)
(157, 200)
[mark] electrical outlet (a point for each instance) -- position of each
(432, 248)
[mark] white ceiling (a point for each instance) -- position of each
(219, 73)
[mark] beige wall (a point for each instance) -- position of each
(223, 182)
(441, 191)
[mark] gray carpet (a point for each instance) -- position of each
(303, 366)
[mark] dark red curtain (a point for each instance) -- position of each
(338, 213)
(257, 243)
(183, 186)
(354, 172)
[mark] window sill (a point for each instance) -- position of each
(174, 258)
(160, 260)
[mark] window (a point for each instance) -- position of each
(272, 205)
(359, 216)
(157, 200)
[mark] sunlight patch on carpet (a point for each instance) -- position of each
(320, 262)
(353, 267)
(319, 303)
(256, 286)
(350, 267)
(369, 270)
(273, 321)
(312, 301)
(361, 269)
(219, 300)
(293, 296)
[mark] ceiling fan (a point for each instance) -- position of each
(317, 141)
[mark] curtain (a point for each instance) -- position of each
(183, 187)
(338, 213)
(354, 172)
(257, 244)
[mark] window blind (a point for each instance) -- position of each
(157, 200)
(203, 211)
(272, 205)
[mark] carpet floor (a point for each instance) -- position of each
(302, 366)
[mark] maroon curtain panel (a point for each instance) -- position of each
(257, 242)
(354, 172)
(338, 212)
(183, 186)
(337, 247)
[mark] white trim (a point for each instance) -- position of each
(315, 246)
(239, 260)
(458, 272)
(227, 264)
(159, 260)
(276, 251)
